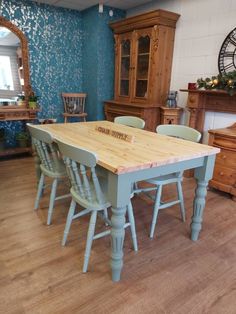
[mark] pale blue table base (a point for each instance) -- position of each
(119, 196)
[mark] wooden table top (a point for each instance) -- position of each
(118, 156)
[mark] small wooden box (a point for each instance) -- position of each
(170, 115)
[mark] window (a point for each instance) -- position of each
(10, 85)
(6, 79)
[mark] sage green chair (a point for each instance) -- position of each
(51, 165)
(89, 191)
(179, 131)
(134, 122)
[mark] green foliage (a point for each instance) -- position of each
(2, 134)
(21, 97)
(226, 82)
(33, 97)
(22, 135)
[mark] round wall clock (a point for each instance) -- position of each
(227, 54)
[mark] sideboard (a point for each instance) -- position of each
(224, 176)
(14, 113)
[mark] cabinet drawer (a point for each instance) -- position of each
(226, 158)
(224, 175)
(220, 141)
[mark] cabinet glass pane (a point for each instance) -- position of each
(124, 67)
(124, 87)
(141, 88)
(125, 64)
(142, 66)
(144, 44)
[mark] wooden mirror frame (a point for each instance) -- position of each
(25, 58)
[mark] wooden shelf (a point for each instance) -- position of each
(10, 113)
(15, 151)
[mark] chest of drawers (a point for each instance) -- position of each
(224, 177)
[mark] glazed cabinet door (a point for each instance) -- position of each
(123, 72)
(142, 43)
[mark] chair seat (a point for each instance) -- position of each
(166, 179)
(61, 169)
(83, 114)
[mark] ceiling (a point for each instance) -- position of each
(84, 4)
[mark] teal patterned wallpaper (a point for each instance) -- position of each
(55, 54)
(98, 58)
(68, 51)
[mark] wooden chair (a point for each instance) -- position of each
(74, 105)
(134, 122)
(89, 191)
(51, 165)
(185, 133)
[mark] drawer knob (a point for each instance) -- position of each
(224, 157)
(221, 173)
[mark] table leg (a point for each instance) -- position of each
(117, 240)
(198, 208)
(203, 175)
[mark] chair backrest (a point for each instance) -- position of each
(74, 102)
(47, 150)
(180, 131)
(134, 122)
(81, 170)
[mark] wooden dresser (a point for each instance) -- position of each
(143, 59)
(224, 177)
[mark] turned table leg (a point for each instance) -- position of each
(117, 240)
(203, 175)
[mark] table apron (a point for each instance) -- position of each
(119, 186)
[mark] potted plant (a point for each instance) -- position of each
(33, 101)
(21, 100)
(22, 139)
(2, 139)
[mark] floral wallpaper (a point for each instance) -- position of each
(69, 51)
(98, 58)
(55, 54)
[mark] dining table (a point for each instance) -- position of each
(131, 155)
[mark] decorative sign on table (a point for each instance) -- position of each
(117, 134)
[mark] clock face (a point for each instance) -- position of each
(227, 55)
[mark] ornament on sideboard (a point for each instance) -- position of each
(172, 99)
(226, 81)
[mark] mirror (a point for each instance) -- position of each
(14, 67)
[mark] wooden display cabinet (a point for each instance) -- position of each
(143, 59)
(224, 177)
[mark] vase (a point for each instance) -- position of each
(32, 104)
(21, 103)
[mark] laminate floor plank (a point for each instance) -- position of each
(169, 274)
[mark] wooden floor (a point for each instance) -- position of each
(169, 274)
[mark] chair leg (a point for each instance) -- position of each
(105, 213)
(69, 219)
(135, 186)
(39, 192)
(156, 209)
(132, 226)
(52, 199)
(181, 198)
(89, 242)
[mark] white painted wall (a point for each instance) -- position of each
(200, 32)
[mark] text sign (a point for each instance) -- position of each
(117, 134)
